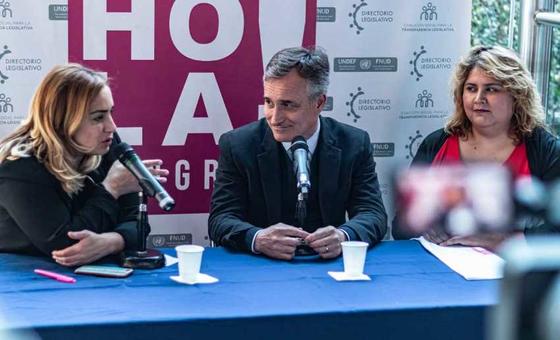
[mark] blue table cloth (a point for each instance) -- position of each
(412, 295)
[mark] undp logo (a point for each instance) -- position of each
(361, 16)
(365, 64)
(428, 12)
(5, 10)
(158, 241)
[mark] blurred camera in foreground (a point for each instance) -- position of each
(461, 200)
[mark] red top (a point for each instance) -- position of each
(517, 162)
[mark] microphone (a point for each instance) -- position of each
(151, 187)
(299, 150)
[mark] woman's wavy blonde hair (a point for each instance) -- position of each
(59, 105)
(503, 65)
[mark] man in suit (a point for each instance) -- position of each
(254, 200)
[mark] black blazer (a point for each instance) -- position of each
(36, 213)
(247, 192)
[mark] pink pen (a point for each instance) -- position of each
(55, 276)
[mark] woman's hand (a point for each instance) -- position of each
(436, 235)
(490, 241)
(119, 181)
(91, 246)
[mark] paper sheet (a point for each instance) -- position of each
(472, 263)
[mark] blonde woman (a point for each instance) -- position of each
(58, 195)
(499, 118)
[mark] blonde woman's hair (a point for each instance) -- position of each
(503, 65)
(58, 107)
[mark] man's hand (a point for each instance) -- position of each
(90, 247)
(326, 241)
(279, 241)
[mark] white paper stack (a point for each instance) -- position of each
(472, 263)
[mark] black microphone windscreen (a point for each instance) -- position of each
(120, 150)
(299, 143)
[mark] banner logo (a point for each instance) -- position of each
(353, 98)
(383, 149)
(423, 106)
(365, 64)
(58, 12)
(424, 100)
(8, 119)
(326, 14)
(355, 17)
(428, 20)
(6, 51)
(413, 144)
(360, 16)
(169, 240)
(428, 12)
(414, 62)
(5, 105)
(359, 104)
(421, 63)
(9, 20)
(6, 10)
(16, 64)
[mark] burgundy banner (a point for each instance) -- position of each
(182, 72)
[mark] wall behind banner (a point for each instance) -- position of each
(184, 72)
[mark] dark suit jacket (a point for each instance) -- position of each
(247, 192)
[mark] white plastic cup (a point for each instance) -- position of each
(190, 258)
(354, 257)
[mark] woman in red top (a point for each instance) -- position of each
(498, 118)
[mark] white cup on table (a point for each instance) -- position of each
(190, 258)
(354, 257)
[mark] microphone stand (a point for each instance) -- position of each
(142, 258)
(301, 206)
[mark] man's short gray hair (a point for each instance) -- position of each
(312, 64)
